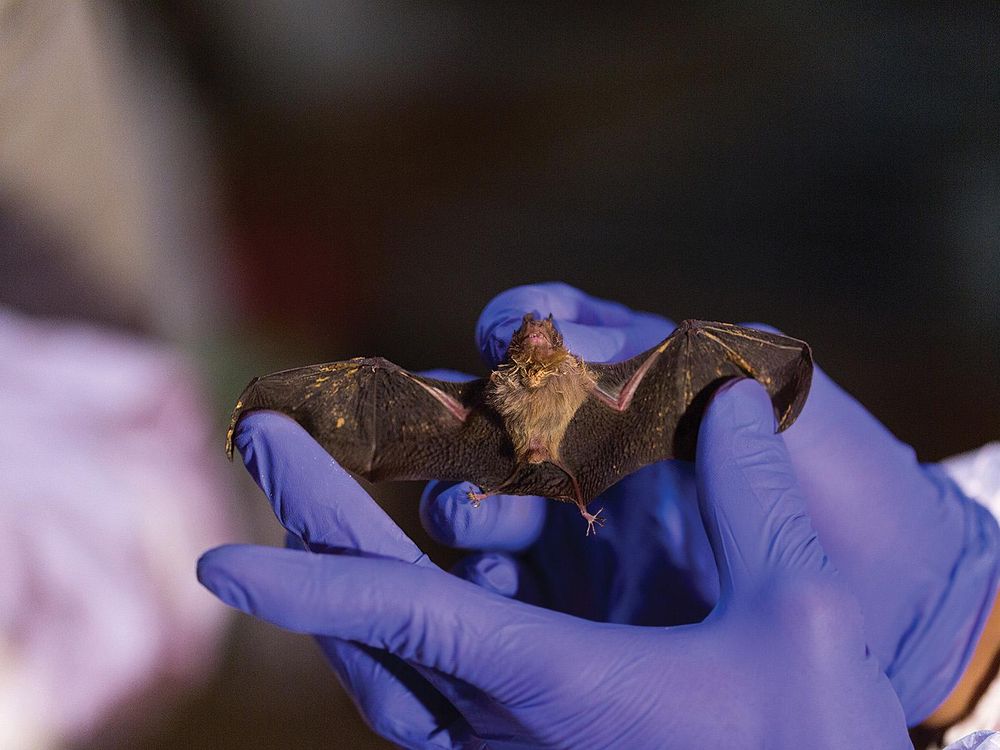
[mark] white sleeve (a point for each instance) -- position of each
(984, 740)
(978, 474)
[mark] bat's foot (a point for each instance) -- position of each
(477, 497)
(592, 521)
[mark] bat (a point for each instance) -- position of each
(544, 422)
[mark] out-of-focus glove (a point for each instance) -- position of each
(985, 739)
(781, 661)
(107, 492)
(921, 557)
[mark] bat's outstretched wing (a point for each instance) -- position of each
(648, 408)
(382, 422)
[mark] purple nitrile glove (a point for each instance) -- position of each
(780, 662)
(324, 510)
(920, 556)
(653, 539)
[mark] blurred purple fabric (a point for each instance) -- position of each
(108, 494)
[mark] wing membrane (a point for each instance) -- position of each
(648, 408)
(382, 422)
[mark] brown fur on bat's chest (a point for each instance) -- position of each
(537, 403)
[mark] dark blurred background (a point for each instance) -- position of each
(381, 170)
(388, 168)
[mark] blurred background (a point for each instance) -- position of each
(195, 193)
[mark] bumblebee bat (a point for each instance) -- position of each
(544, 422)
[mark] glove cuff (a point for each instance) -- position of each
(933, 656)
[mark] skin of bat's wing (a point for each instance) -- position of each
(418, 438)
(781, 363)
(381, 422)
(328, 400)
(544, 479)
(602, 445)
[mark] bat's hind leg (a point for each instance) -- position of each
(477, 497)
(592, 519)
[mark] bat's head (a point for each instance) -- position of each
(535, 340)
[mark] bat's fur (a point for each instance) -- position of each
(537, 390)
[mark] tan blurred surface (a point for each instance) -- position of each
(99, 145)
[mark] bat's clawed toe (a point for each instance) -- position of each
(592, 520)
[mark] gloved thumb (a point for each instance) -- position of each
(750, 501)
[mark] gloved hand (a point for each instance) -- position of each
(781, 661)
(653, 539)
(920, 556)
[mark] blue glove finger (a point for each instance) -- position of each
(504, 575)
(316, 500)
(423, 616)
(595, 329)
(753, 510)
(501, 522)
(312, 496)
(774, 573)
(319, 502)
(321, 505)
(920, 556)
(835, 436)
(654, 541)
(492, 571)
(394, 699)
(508, 522)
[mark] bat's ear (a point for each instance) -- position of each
(557, 338)
(528, 317)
